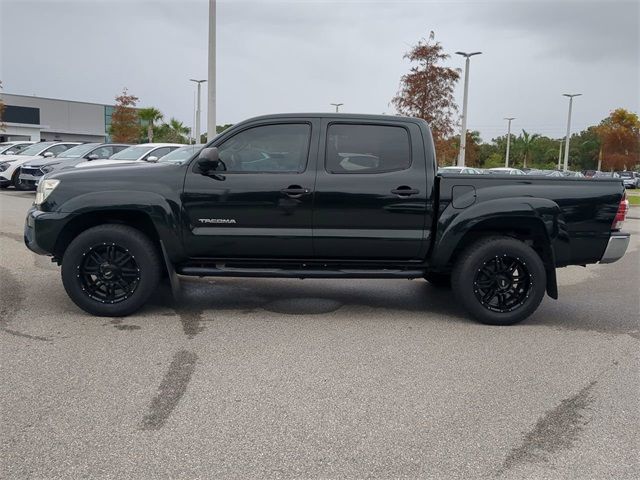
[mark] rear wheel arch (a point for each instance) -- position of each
(530, 230)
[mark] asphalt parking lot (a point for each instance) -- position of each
(251, 378)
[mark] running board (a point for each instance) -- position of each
(222, 271)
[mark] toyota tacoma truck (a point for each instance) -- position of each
(322, 196)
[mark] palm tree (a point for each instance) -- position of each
(178, 130)
(150, 115)
(527, 142)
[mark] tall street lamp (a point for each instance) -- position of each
(337, 105)
(463, 133)
(566, 143)
(211, 93)
(506, 158)
(197, 132)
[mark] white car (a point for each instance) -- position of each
(506, 171)
(13, 148)
(461, 170)
(10, 164)
(150, 152)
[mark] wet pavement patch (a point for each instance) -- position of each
(173, 386)
(303, 306)
(557, 430)
(11, 302)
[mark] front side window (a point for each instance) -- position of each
(267, 149)
(132, 153)
(367, 149)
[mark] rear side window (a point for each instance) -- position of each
(367, 149)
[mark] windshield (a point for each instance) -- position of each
(450, 170)
(78, 151)
(625, 174)
(132, 153)
(36, 149)
(181, 154)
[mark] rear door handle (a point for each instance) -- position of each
(405, 191)
(294, 191)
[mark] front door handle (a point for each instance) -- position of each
(294, 191)
(404, 191)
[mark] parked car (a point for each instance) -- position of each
(13, 148)
(10, 165)
(459, 170)
(269, 198)
(180, 155)
(150, 152)
(630, 179)
(545, 173)
(506, 171)
(604, 175)
(32, 172)
(569, 173)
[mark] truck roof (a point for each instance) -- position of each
(333, 115)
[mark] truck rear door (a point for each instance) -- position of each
(371, 191)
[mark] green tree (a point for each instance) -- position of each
(150, 115)
(172, 132)
(125, 123)
(526, 141)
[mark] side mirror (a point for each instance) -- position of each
(152, 159)
(209, 161)
(93, 156)
(10, 152)
(48, 155)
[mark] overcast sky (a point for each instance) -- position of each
(277, 56)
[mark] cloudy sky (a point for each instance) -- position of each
(279, 56)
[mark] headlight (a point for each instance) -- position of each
(4, 166)
(45, 187)
(46, 168)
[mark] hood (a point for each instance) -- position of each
(20, 158)
(13, 158)
(102, 163)
(41, 162)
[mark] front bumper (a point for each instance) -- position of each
(42, 230)
(29, 181)
(616, 248)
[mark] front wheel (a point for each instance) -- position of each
(110, 270)
(499, 280)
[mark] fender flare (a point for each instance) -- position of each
(163, 214)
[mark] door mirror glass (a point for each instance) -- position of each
(208, 161)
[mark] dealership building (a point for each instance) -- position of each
(46, 119)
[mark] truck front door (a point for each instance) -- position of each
(371, 191)
(260, 204)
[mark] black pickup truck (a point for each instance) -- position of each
(322, 196)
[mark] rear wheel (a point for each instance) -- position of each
(499, 280)
(110, 270)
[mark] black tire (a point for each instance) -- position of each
(438, 280)
(487, 266)
(15, 180)
(128, 271)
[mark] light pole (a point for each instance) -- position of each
(337, 105)
(506, 158)
(211, 92)
(566, 142)
(197, 132)
(463, 133)
(560, 155)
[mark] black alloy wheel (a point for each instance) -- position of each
(502, 284)
(109, 273)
